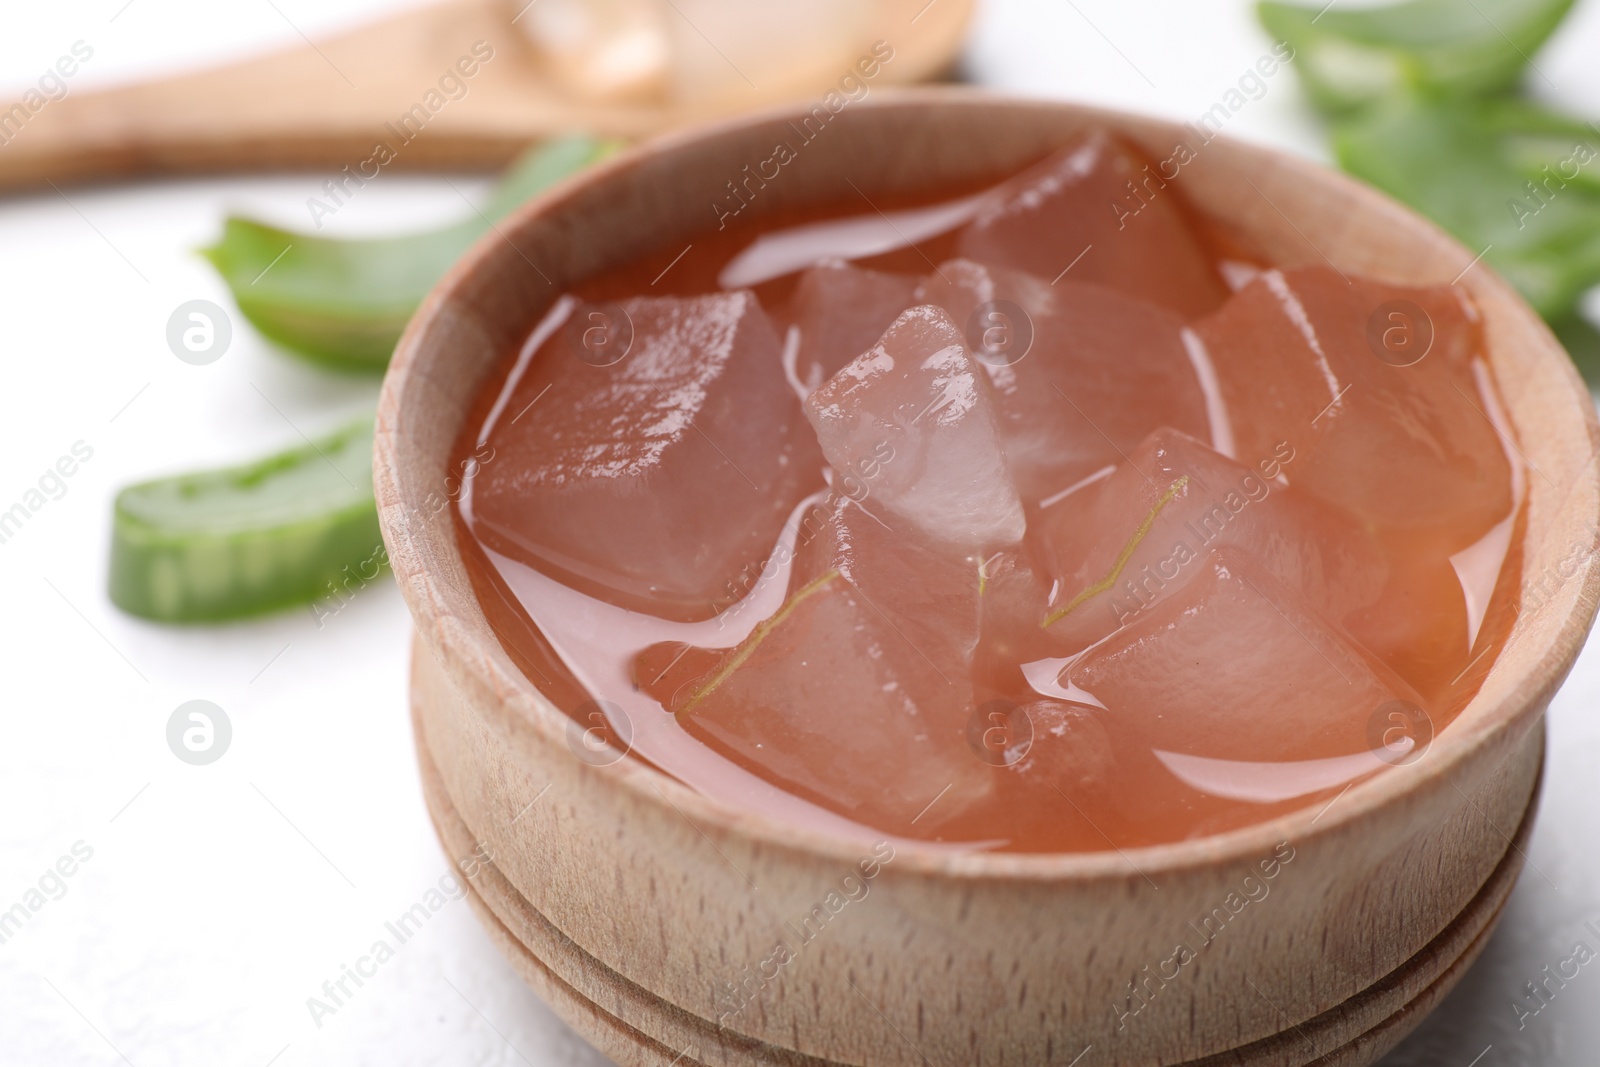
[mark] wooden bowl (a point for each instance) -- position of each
(634, 903)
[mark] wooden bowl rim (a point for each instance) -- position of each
(502, 686)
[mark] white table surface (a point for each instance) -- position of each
(217, 899)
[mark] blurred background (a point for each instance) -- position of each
(207, 900)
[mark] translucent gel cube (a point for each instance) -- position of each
(1061, 784)
(655, 481)
(1419, 624)
(1101, 370)
(1100, 212)
(1234, 666)
(926, 590)
(844, 701)
(840, 311)
(910, 430)
(1312, 359)
(1014, 598)
(1147, 533)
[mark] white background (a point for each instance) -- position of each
(219, 898)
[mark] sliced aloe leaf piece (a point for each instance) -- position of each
(221, 544)
(1349, 57)
(1551, 149)
(346, 302)
(1451, 163)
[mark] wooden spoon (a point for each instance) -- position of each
(333, 104)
